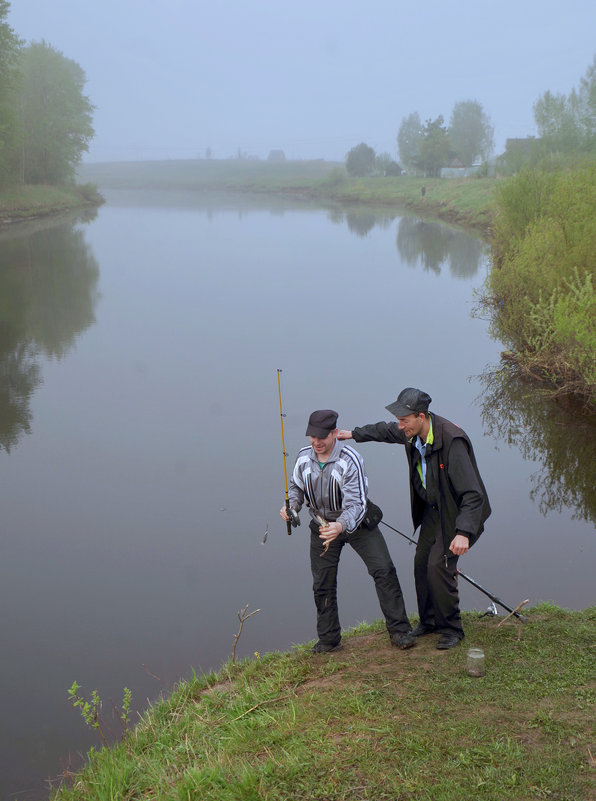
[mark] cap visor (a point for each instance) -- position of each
(320, 433)
(398, 409)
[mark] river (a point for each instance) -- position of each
(140, 442)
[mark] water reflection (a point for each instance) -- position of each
(559, 438)
(433, 245)
(48, 292)
(361, 223)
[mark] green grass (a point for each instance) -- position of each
(372, 722)
(28, 202)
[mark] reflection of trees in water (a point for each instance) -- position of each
(432, 244)
(48, 292)
(361, 221)
(422, 242)
(19, 377)
(559, 437)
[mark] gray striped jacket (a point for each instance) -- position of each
(337, 492)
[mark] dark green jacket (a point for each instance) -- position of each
(453, 482)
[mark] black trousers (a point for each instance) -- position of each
(436, 578)
(371, 547)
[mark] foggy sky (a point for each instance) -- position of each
(314, 77)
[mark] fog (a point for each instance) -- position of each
(312, 78)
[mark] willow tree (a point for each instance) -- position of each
(409, 138)
(470, 132)
(57, 116)
(567, 123)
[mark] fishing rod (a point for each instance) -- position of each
(293, 519)
(468, 579)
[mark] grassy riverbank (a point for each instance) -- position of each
(541, 290)
(32, 202)
(373, 723)
(466, 202)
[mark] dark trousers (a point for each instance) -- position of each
(436, 578)
(372, 549)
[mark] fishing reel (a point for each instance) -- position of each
(490, 612)
(294, 519)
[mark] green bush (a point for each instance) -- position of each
(541, 286)
(335, 177)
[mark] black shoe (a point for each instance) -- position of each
(421, 629)
(449, 640)
(402, 639)
(325, 647)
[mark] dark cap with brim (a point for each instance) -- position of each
(409, 401)
(321, 423)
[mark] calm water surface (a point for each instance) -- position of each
(140, 444)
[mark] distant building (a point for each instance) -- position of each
(393, 168)
(456, 169)
(276, 155)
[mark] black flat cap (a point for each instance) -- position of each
(409, 401)
(321, 423)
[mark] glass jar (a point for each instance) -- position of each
(475, 662)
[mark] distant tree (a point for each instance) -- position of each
(558, 120)
(567, 123)
(587, 94)
(434, 147)
(208, 153)
(57, 116)
(360, 160)
(470, 132)
(276, 156)
(409, 138)
(10, 129)
(382, 162)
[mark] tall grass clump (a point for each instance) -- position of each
(541, 287)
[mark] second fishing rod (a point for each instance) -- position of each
(494, 598)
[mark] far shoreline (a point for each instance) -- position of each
(465, 202)
(26, 204)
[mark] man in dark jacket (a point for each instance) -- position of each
(449, 503)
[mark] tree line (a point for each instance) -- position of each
(45, 117)
(428, 147)
(566, 126)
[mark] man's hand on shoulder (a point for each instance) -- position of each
(344, 434)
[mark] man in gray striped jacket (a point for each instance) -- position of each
(329, 476)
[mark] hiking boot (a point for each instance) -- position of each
(421, 629)
(402, 639)
(449, 640)
(325, 647)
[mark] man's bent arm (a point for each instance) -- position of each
(379, 432)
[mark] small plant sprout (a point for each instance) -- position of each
(124, 713)
(91, 710)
